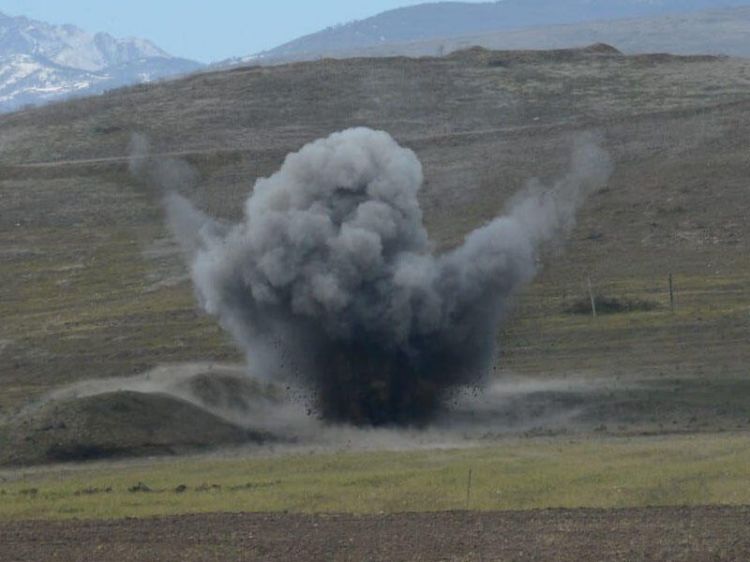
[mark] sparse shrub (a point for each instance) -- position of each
(93, 491)
(611, 305)
(208, 488)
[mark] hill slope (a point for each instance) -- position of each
(442, 20)
(93, 286)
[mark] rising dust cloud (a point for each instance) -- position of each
(331, 280)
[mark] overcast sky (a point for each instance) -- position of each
(200, 29)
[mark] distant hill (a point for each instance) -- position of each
(40, 62)
(453, 19)
(715, 32)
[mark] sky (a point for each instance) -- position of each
(202, 30)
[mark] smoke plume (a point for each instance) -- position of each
(331, 280)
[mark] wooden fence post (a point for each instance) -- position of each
(593, 300)
(671, 293)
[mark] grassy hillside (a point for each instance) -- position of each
(91, 285)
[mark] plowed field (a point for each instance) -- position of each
(666, 534)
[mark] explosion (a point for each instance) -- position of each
(331, 280)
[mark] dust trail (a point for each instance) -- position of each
(511, 408)
(225, 390)
(330, 280)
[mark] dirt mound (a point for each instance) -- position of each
(502, 58)
(115, 424)
(602, 49)
(663, 58)
(228, 392)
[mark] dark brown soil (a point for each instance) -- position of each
(666, 534)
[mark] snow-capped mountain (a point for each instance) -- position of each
(40, 62)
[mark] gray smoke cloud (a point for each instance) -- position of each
(331, 279)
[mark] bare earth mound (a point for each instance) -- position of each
(116, 424)
(632, 535)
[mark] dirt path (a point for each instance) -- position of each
(665, 534)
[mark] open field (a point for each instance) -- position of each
(515, 474)
(408, 505)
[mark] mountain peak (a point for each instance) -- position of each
(41, 61)
(70, 46)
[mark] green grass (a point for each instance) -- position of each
(702, 335)
(517, 474)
